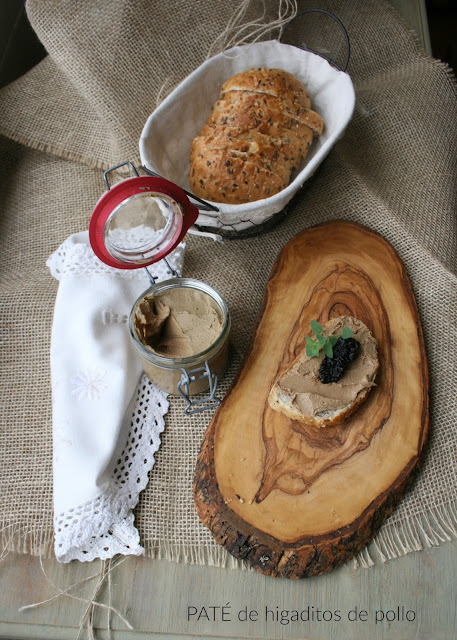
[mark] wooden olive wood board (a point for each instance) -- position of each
(294, 501)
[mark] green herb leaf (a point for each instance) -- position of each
(321, 340)
(312, 348)
(347, 333)
(328, 350)
(309, 350)
(325, 342)
(316, 327)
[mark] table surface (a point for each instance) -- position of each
(411, 597)
(155, 597)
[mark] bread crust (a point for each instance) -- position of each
(254, 116)
(319, 422)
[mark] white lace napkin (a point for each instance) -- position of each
(107, 416)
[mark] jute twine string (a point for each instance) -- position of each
(238, 31)
(87, 620)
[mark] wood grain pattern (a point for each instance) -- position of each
(290, 500)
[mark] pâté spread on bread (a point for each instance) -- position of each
(258, 133)
(299, 392)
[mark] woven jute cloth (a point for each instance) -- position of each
(82, 109)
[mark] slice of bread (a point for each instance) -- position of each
(230, 179)
(269, 153)
(274, 82)
(242, 100)
(299, 394)
(298, 138)
(254, 116)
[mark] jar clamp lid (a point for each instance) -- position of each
(138, 222)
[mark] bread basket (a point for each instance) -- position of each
(167, 135)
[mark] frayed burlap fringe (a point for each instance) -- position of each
(394, 540)
(209, 555)
(22, 539)
(420, 532)
(420, 47)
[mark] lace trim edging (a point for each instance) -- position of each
(103, 527)
(75, 259)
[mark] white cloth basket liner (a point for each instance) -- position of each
(167, 135)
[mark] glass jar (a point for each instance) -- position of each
(189, 374)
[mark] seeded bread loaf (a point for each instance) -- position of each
(300, 395)
(259, 131)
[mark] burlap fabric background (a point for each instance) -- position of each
(83, 108)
